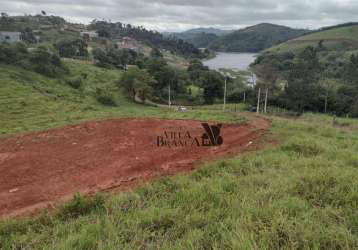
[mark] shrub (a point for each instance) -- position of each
(105, 97)
(81, 205)
(75, 82)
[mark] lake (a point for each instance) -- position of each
(240, 61)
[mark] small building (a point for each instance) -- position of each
(88, 35)
(128, 43)
(10, 37)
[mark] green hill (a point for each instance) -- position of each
(255, 38)
(343, 37)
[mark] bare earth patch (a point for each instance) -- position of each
(39, 169)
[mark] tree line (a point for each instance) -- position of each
(153, 78)
(307, 81)
(41, 59)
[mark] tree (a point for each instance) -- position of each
(113, 57)
(28, 36)
(350, 74)
(212, 83)
(196, 69)
(156, 53)
(268, 76)
(301, 89)
(5, 18)
(72, 48)
(47, 63)
(137, 83)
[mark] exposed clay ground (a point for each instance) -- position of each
(37, 170)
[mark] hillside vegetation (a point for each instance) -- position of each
(200, 40)
(315, 72)
(200, 37)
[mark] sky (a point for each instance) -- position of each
(175, 15)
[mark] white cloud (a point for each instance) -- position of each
(179, 15)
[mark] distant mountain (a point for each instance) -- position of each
(214, 31)
(255, 38)
(200, 37)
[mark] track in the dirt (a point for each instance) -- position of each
(39, 169)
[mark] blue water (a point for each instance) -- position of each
(236, 61)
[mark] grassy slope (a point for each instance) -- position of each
(300, 193)
(31, 102)
(348, 34)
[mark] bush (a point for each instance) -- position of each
(105, 97)
(75, 82)
(81, 205)
(41, 60)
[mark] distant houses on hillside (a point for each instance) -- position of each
(10, 37)
(128, 43)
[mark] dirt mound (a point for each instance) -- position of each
(39, 169)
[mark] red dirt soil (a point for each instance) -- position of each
(39, 169)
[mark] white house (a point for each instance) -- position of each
(10, 37)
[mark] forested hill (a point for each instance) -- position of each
(199, 37)
(152, 38)
(255, 38)
(199, 40)
(51, 29)
(218, 32)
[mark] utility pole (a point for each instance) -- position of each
(258, 101)
(169, 101)
(326, 102)
(225, 94)
(265, 110)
